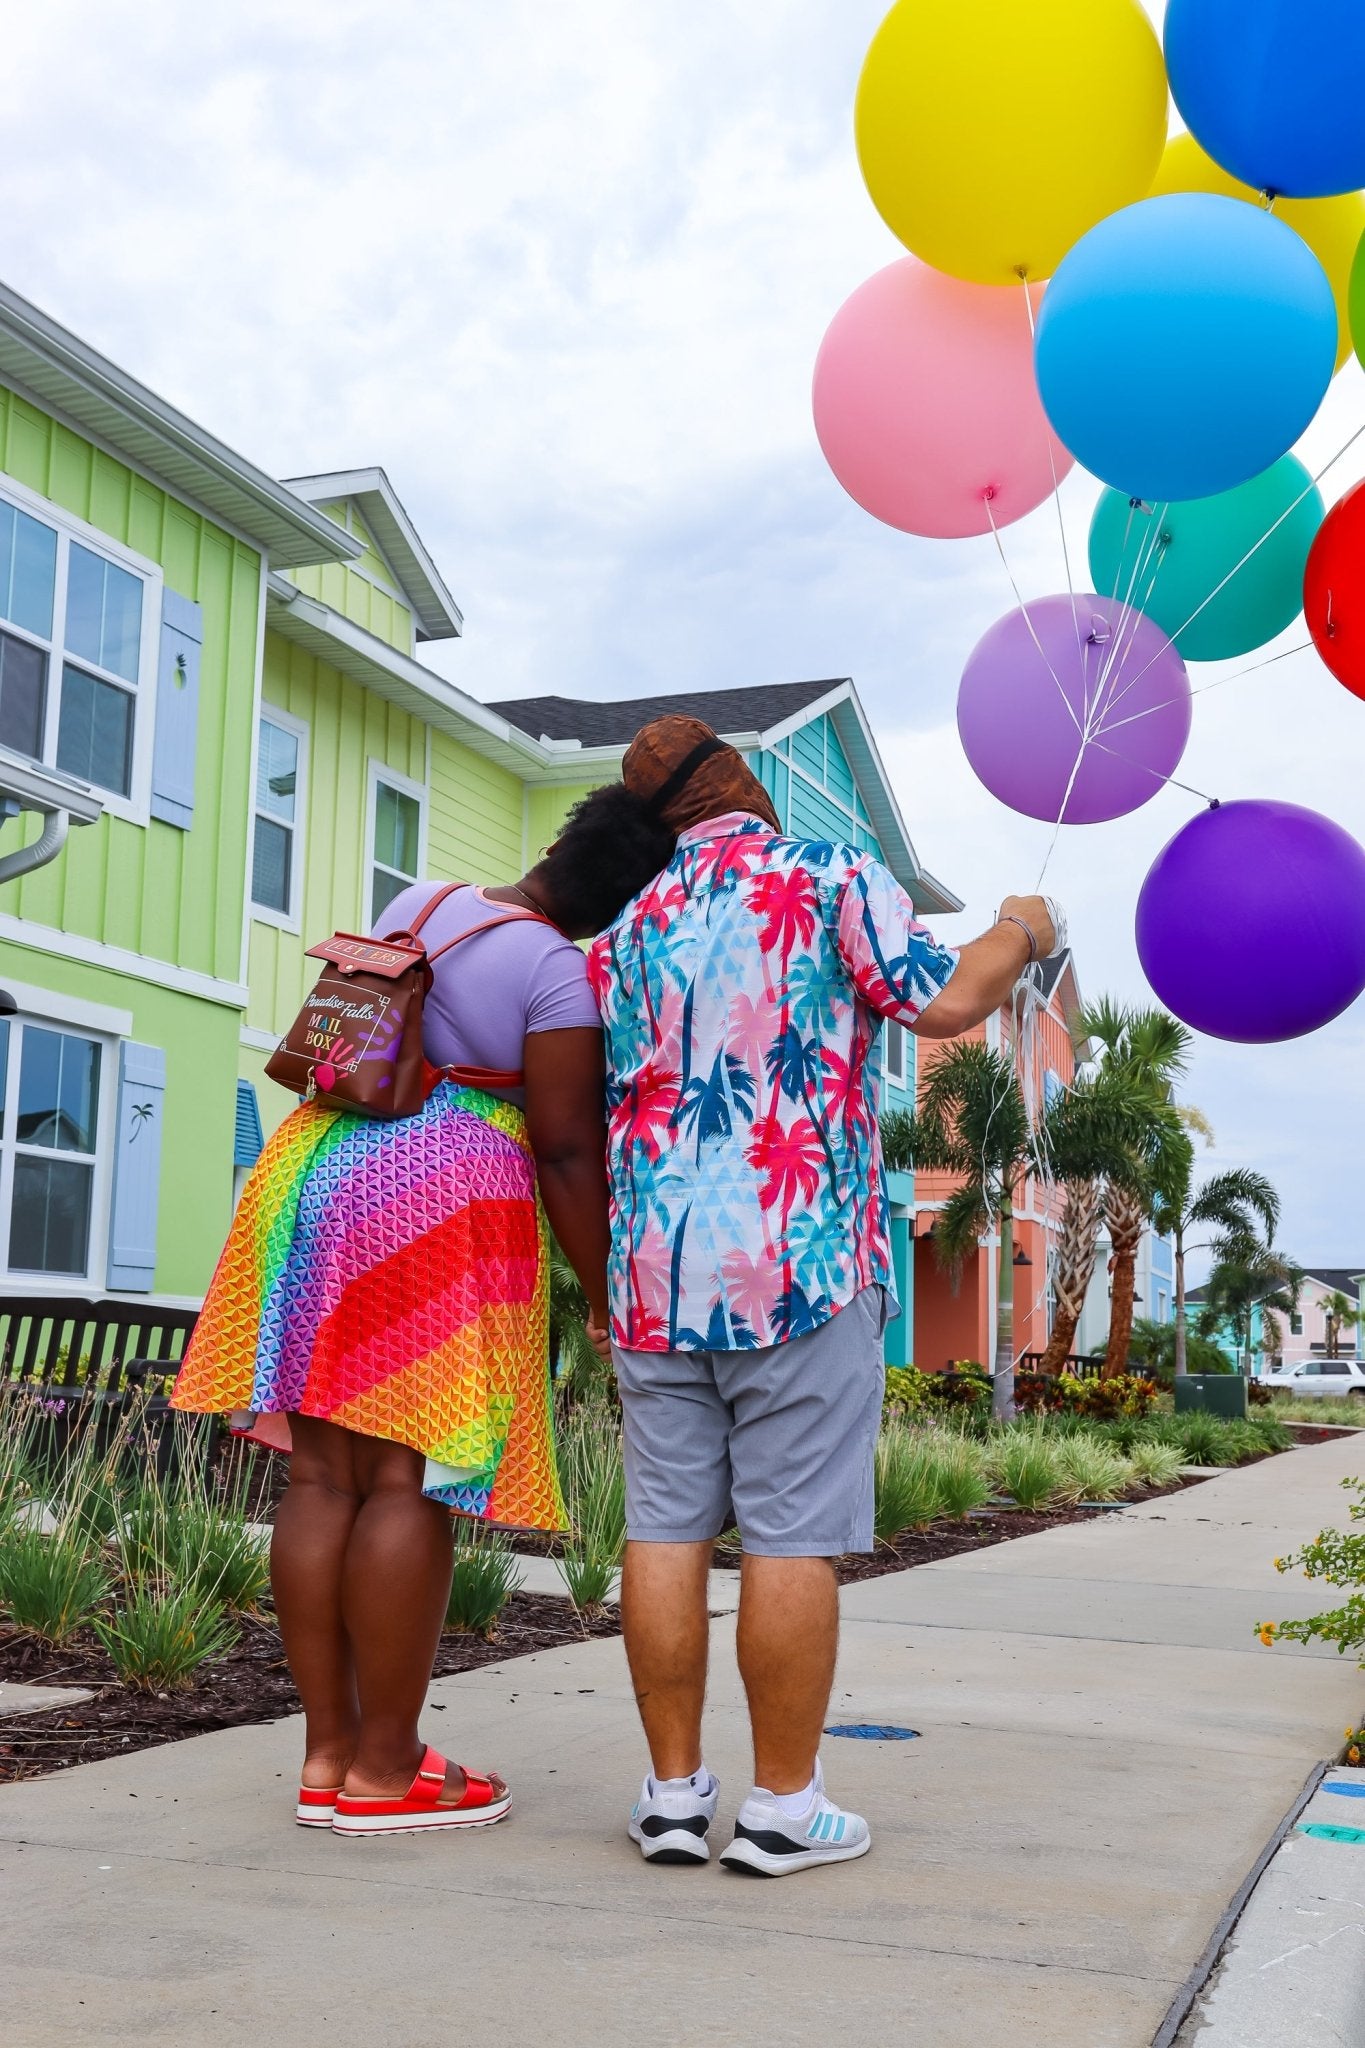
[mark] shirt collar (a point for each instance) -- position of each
(724, 827)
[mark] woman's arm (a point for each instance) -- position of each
(565, 1086)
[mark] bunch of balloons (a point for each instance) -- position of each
(1168, 315)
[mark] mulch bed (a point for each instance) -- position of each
(250, 1684)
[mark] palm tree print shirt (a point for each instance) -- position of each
(742, 994)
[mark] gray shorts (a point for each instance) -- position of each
(780, 1441)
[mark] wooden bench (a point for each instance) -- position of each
(1081, 1365)
(83, 1358)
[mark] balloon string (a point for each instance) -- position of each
(1130, 619)
(1307, 490)
(1304, 647)
(1028, 621)
(1056, 483)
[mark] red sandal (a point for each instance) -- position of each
(317, 1805)
(420, 1807)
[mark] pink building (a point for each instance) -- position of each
(960, 1323)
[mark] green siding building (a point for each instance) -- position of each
(215, 679)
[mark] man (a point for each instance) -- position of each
(750, 1276)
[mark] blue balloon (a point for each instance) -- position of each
(1184, 345)
(1274, 91)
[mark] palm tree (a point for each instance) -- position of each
(1147, 1050)
(1232, 1203)
(1342, 1314)
(1077, 1249)
(1248, 1276)
(973, 1122)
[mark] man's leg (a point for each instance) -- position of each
(801, 1453)
(665, 1623)
(788, 1638)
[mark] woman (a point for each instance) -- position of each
(381, 1309)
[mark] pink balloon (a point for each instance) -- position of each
(926, 403)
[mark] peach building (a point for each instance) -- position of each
(956, 1323)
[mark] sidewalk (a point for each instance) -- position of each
(1105, 1749)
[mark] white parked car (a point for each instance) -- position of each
(1320, 1377)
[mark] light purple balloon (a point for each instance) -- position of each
(1074, 679)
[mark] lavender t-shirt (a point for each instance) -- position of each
(491, 993)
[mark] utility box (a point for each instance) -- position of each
(1216, 1393)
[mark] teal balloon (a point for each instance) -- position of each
(1170, 560)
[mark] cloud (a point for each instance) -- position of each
(564, 271)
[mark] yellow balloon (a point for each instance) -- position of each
(993, 133)
(1332, 228)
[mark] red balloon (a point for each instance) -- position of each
(1334, 590)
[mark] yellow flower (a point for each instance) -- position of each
(1279, 1564)
(1266, 1632)
(1350, 1734)
(1353, 1755)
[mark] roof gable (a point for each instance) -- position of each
(738, 713)
(384, 521)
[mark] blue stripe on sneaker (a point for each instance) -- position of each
(839, 1829)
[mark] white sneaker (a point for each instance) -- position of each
(670, 1827)
(770, 1843)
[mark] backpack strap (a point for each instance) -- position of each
(446, 889)
(509, 916)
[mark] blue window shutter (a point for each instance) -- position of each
(177, 710)
(247, 1142)
(137, 1168)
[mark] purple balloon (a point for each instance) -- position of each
(1074, 678)
(1251, 923)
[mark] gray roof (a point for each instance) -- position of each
(615, 723)
(1336, 1279)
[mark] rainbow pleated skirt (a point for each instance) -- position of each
(392, 1277)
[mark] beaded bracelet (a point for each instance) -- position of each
(1008, 917)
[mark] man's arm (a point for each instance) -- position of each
(901, 971)
(988, 968)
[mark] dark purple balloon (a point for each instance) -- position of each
(1251, 923)
(1040, 675)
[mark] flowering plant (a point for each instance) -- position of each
(1338, 1557)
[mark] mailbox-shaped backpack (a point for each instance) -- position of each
(357, 1041)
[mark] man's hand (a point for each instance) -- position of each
(1033, 911)
(599, 1336)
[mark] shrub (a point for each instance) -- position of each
(189, 1538)
(908, 1390)
(158, 1638)
(1259, 1396)
(49, 1584)
(486, 1575)
(908, 1489)
(962, 1481)
(1092, 1469)
(593, 1473)
(1062, 1393)
(1026, 1467)
(965, 1387)
(1338, 1556)
(1155, 1464)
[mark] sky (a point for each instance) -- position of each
(563, 272)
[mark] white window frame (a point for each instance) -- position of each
(291, 919)
(20, 1278)
(895, 1074)
(377, 772)
(136, 806)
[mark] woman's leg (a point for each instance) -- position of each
(394, 1593)
(313, 1526)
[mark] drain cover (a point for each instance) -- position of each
(873, 1731)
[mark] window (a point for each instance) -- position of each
(276, 842)
(398, 821)
(894, 1063)
(49, 1143)
(1296, 1326)
(73, 636)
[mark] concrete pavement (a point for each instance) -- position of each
(1104, 1750)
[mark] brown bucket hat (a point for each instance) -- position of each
(686, 774)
